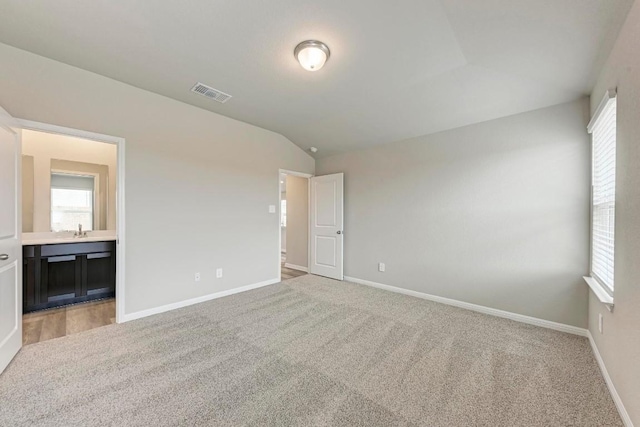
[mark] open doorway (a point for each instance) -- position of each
(311, 235)
(294, 224)
(70, 216)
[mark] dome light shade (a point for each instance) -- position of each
(312, 54)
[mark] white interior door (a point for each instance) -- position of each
(327, 211)
(10, 241)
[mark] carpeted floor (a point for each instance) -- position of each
(309, 351)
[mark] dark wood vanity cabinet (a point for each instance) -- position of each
(67, 273)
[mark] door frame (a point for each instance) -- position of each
(120, 196)
(278, 210)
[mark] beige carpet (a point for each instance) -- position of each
(309, 351)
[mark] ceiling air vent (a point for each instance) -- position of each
(210, 92)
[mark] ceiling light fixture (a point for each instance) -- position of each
(312, 54)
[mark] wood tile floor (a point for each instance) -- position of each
(288, 273)
(59, 322)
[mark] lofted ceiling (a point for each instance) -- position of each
(397, 69)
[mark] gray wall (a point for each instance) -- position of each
(27, 193)
(297, 220)
(619, 344)
(198, 185)
(495, 214)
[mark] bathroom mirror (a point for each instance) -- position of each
(67, 194)
(67, 181)
(78, 195)
(74, 202)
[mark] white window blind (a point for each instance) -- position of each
(603, 131)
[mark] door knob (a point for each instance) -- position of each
(4, 257)
(339, 232)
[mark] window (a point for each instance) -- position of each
(71, 202)
(283, 213)
(603, 181)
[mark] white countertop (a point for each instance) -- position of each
(67, 237)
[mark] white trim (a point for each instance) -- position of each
(608, 96)
(61, 130)
(120, 233)
(626, 419)
(294, 173)
(296, 267)
(309, 222)
(600, 292)
(181, 304)
(120, 199)
(474, 307)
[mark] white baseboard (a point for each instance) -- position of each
(296, 267)
(612, 389)
(474, 307)
(169, 307)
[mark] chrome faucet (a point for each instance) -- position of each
(79, 233)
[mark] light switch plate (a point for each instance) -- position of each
(272, 208)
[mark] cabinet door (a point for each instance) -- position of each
(99, 270)
(61, 278)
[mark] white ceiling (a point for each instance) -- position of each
(397, 69)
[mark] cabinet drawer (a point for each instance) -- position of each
(76, 248)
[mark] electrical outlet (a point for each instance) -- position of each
(381, 267)
(600, 322)
(218, 273)
(197, 277)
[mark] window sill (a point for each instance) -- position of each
(597, 289)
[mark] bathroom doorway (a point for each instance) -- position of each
(72, 213)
